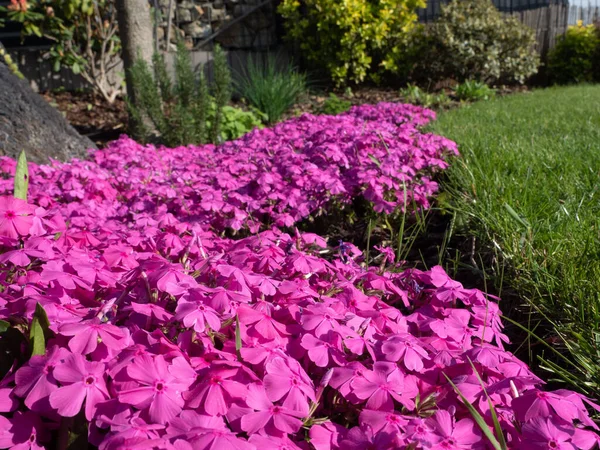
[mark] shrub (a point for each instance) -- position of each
(334, 105)
(185, 111)
(350, 39)
(271, 88)
(83, 34)
(472, 40)
(574, 58)
(472, 91)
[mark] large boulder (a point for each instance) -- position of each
(28, 122)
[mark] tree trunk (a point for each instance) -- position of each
(28, 122)
(135, 30)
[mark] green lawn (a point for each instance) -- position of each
(528, 187)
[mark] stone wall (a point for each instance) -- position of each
(197, 20)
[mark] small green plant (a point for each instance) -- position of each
(334, 105)
(271, 88)
(473, 91)
(574, 58)
(414, 95)
(185, 110)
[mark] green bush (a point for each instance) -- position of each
(185, 110)
(574, 59)
(472, 40)
(334, 105)
(473, 91)
(350, 39)
(270, 88)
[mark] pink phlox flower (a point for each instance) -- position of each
(455, 326)
(320, 319)
(361, 438)
(197, 315)
(16, 217)
(536, 403)
(25, 431)
(56, 271)
(405, 348)
(324, 349)
(121, 256)
(80, 381)
(286, 379)
(35, 381)
(546, 433)
(273, 419)
(383, 421)
(160, 386)
(212, 439)
(273, 442)
(451, 434)
(261, 324)
(343, 377)
(216, 389)
(380, 387)
(306, 264)
(86, 336)
(326, 436)
(157, 312)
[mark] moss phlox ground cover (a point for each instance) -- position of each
(164, 334)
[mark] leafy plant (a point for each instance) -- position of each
(270, 87)
(350, 39)
(334, 105)
(574, 59)
(83, 34)
(472, 40)
(414, 95)
(472, 91)
(184, 111)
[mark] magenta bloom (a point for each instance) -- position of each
(451, 435)
(285, 378)
(380, 387)
(35, 381)
(160, 386)
(16, 217)
(87, 336)
(197, 316)
(407, 349)
(321, 350)
(543, 434)
(81, 381)
(25, 431)
(271, 418)
(215, 391)
(535, 403)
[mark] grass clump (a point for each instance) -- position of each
(528, 184)
(271, 87)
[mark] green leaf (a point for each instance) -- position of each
(21, 177)
(477, 417)
(40, 329)
(56, 65)
(516, 216)
(238, 338)
(4, 325)
(375, 160)
(497, 426)
(76, 68)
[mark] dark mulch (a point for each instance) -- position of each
(91, 115)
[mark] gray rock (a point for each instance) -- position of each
(197, 30)
(184, 15)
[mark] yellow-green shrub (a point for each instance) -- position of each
(351, 39)
(575, 57)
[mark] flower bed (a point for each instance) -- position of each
(163, 334)
(273, 176)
